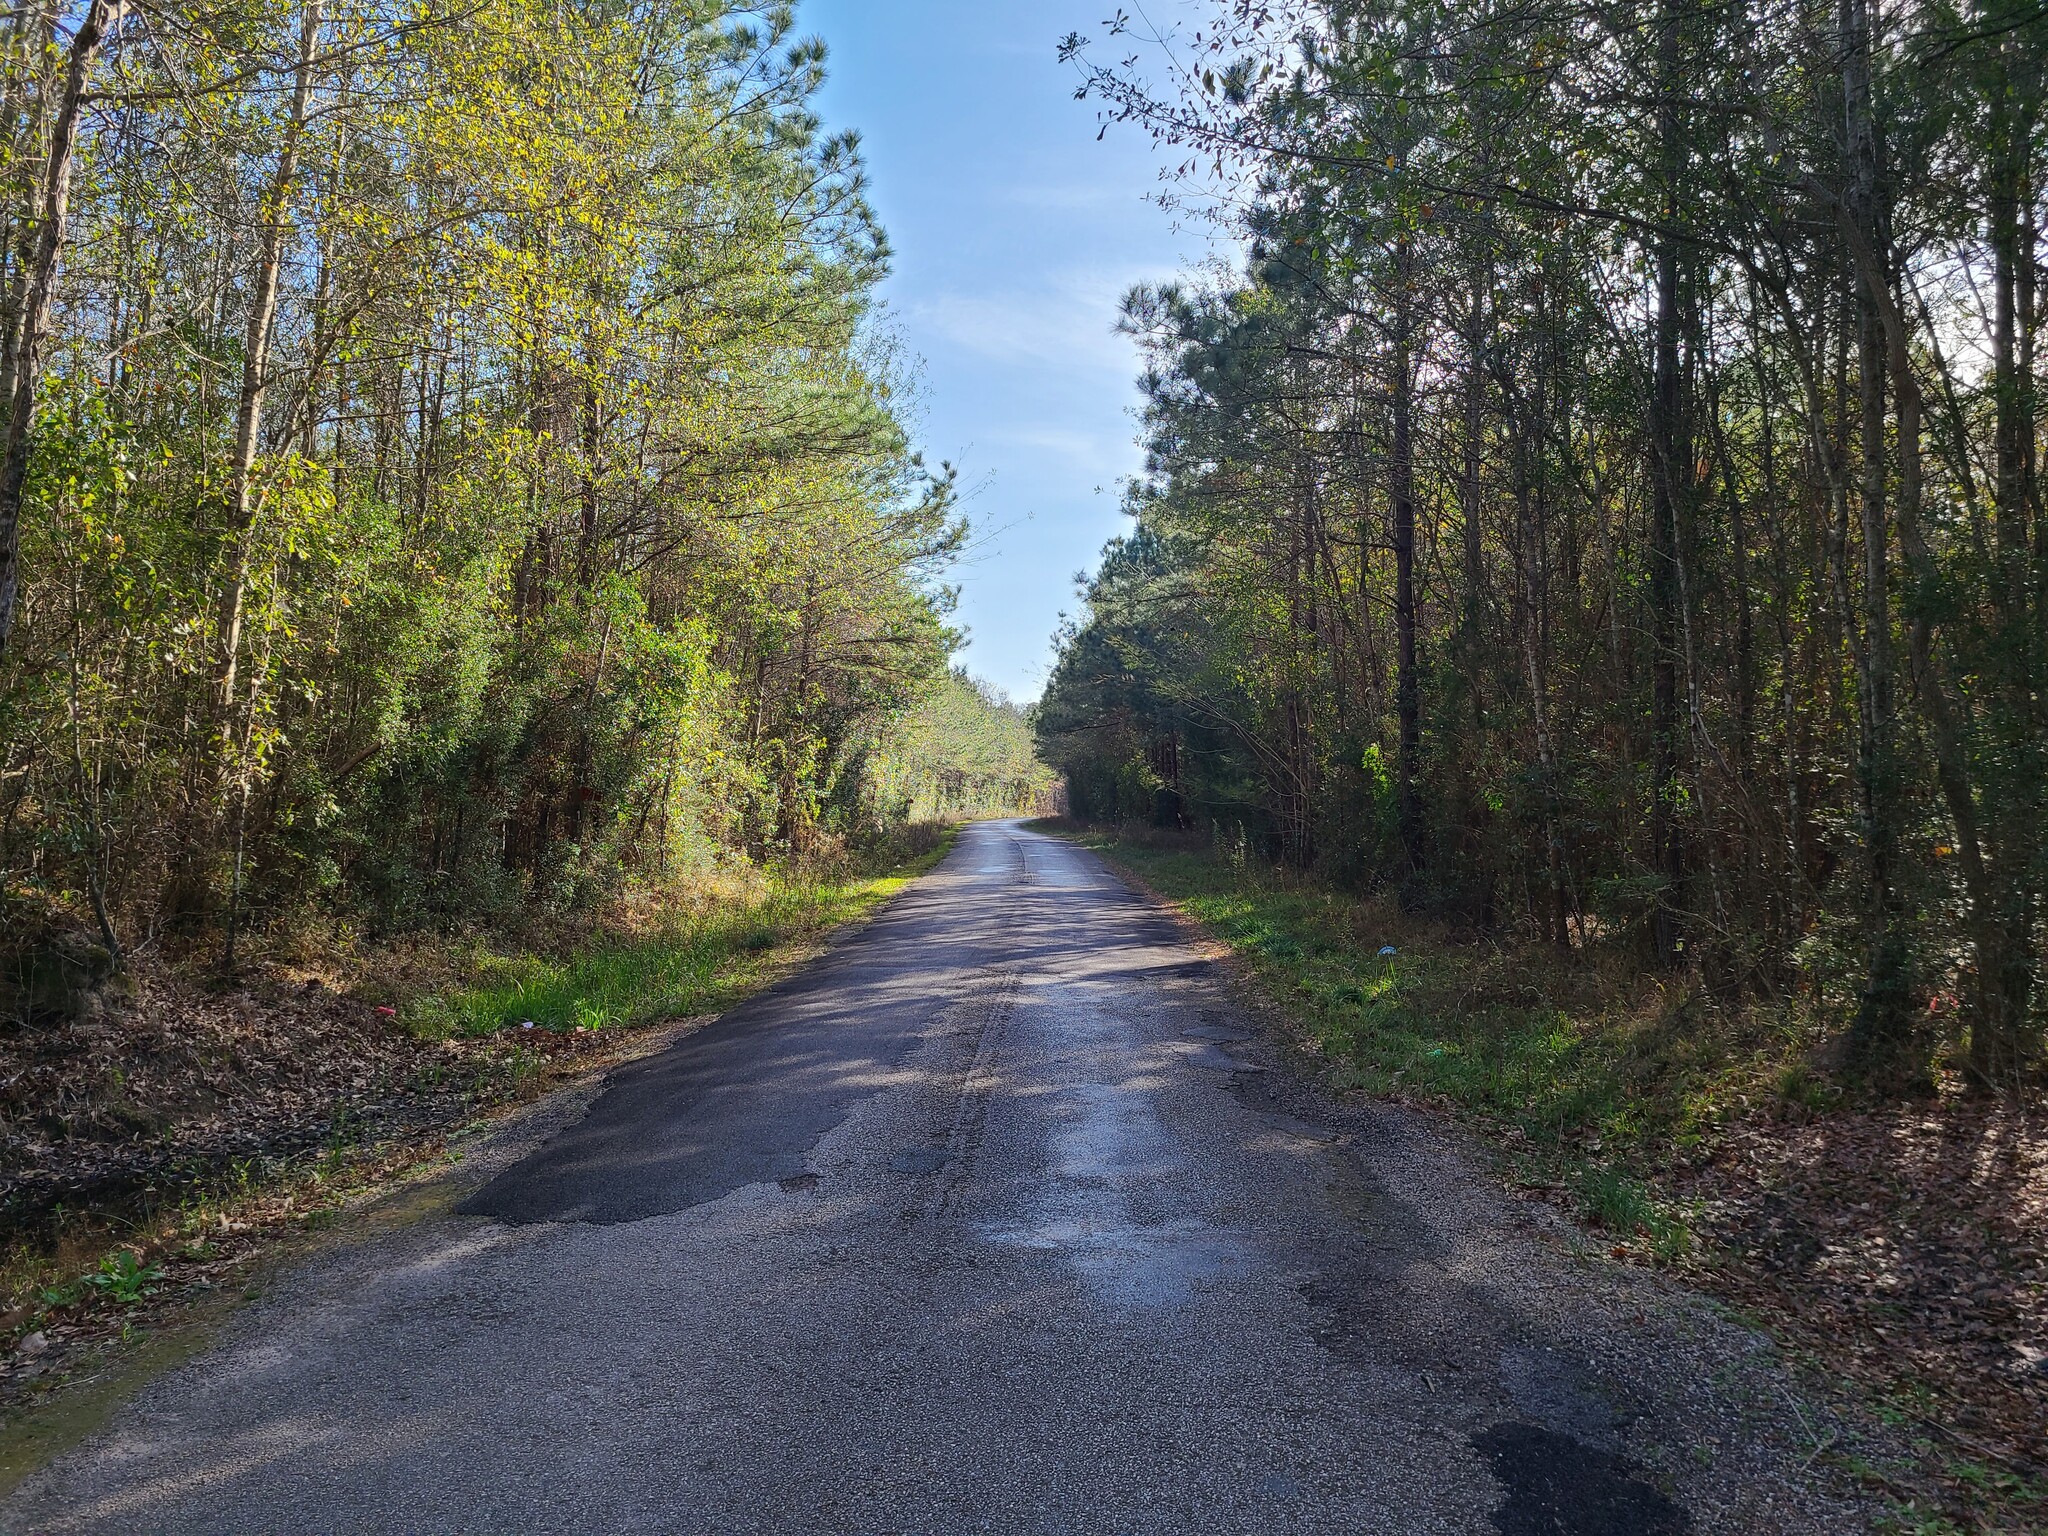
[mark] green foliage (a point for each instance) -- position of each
(124, 1279)
(691, 963)
(963, 751)
(120, 1278)
(580, 541)
(1533, 531)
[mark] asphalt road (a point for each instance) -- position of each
(1001, 1217)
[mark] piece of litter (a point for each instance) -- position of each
(1387, 950)
(527, 1025)
(389, 1013)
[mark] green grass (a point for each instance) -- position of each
(1591, 1074)
(690, 962)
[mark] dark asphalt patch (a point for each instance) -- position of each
(1216, 1059)
(1558, 1486)
(920, 1160)
(745, 1100)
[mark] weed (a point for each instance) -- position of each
(1905, 1520)
(1798, 1084)
(124, 1278)
(1615, 1201)
(120, 1277)
(344, 1130)
(1621, 1205)
(594, 1016)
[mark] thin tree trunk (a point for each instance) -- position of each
(1408, 683)
(39, 296)
(593, 441)
(1666, 850)
(1882, 1026)
(21, 254)
(1533, 582)
(1471, 613)
(2006, 958)
(256, 362)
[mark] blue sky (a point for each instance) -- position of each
(1016, 233)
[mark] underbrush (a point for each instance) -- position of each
(682, 957)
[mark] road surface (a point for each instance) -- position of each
(1000, 1217)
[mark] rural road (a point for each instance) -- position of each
(1000, 1217)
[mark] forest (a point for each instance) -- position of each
(1566, 723)
(451, 471)
(1606, 505)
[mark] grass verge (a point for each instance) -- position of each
(87, 1306)
(684, 961)
(1694, 1135)
(1593, 1077)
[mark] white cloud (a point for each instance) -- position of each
(1068, 322)
(1105, 456)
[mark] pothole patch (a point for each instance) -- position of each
(1555, 1484)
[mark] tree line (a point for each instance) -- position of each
(449, 464)
(1607, 502)
(964, 751)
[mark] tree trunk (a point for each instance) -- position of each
(39, 296)
(2007, 963)
(1667, 855)
(27, 41)
(1882, 1027)
(1471, 613)
(593, 443)
(1408, 682)
(1533, 629)
(256, 364)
